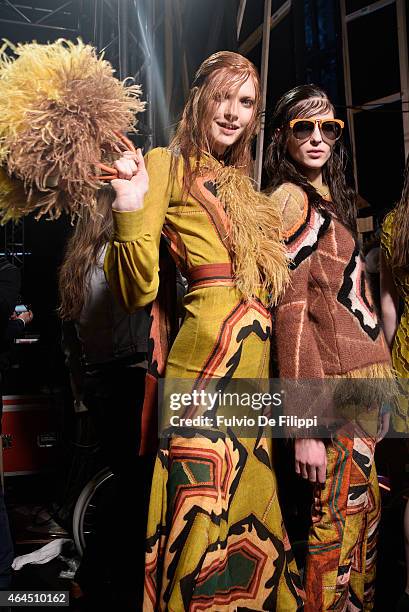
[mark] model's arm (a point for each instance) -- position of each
(132, 259)
(389, 301)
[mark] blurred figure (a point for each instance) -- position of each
(394, 293)
(11, 326)
(105, 350)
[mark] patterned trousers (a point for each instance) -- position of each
(341, 559)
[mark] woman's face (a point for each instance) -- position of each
(233, 114)
(313, 152)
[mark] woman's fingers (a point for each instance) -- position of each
(130, 164)
(315, 474)
(130, 155)
(322, 473)
(140, 164)
(312, 473)
(126, 168)
(311, 456)
(303, 471)
(130, 193)
(139, 157)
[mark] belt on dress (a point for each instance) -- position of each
(210, 275)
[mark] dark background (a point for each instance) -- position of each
(161, 43)
(164, 42)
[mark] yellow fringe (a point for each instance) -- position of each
(60, 107)
(375, 370)
(258, 252)
(354, 398)
(372, 385)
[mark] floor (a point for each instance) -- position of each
(36, 519)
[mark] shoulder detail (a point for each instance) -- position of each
(292, 202)
(159, 166)
(158, 155)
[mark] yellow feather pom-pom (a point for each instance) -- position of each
(60, 109)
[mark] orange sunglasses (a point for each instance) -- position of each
(331, 129)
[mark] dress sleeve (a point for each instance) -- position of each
(132, 260)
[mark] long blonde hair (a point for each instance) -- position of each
(84, 247)
(218, 74)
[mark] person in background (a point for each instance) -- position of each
(394, 293)
(326, 327)
(105, 349)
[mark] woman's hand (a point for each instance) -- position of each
(311, 459)
(132, 182)
(26, 317)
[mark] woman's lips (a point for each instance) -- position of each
(227, 128)
(315, 153)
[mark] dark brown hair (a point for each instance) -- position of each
(218, 74)
(91, 234)
(307, 101)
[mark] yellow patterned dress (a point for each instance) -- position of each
(215, 536)
(400, 349)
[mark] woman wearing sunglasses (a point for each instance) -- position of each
(326, 328)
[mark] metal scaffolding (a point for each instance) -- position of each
(123, 31)
(13, 243)
(36, 21)
(261, 33)
(399, 96)
(61, 19)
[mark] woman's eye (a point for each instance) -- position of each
(248, 102)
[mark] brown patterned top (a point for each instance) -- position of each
(326, 325)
